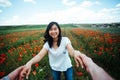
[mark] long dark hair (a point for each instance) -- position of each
(49, 38)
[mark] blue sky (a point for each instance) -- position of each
(18, 12)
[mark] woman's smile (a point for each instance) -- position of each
(54, 31)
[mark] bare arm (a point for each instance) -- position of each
(98, 73)
(87, 63)
(38, 57)
(75, 54)
(95, 71)
(14, 75)
(70, 50)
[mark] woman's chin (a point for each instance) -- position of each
(54, 37)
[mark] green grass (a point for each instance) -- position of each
(10, 29)
(109, 63)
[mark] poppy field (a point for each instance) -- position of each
(19, 45)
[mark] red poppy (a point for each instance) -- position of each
(2, 45)
(2, 60)
(79, 73)
(19, 59)
(2, 74)
(81, 48)
(106, 49)
(33, 55)
(36, 65)
(110, 41)
(2, 55)
(99, 53)
(101, 48)
(34, 72)
(20, 54)
(111, 48)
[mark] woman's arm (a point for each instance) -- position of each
(70, 49)
(38, 57)
(74, 53)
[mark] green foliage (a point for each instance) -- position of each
(20, 48)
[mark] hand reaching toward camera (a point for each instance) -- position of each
(25, 72)
(78, 59)
(14, 75)
(94, 70)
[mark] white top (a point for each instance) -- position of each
(59, 58)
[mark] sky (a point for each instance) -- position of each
(27, 12)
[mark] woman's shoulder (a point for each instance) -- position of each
(46, 43)
(65, 38)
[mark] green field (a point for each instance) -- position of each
(18, 44)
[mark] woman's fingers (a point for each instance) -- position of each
(80, 61)
(23, 74)
(28, 72)
(77, 63)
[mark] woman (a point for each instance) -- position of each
(58, 49)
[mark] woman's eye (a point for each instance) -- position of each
(50, 29)
(55, 28)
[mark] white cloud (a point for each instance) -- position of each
(0, 11)
(118, 5)
(69, 2)
(30, 1)
(15, 20)
(89, 3)
(5, 3)
(76, 14)
(109, 15)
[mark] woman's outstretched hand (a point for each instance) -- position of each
(83, 60)
(86, 61)
(25, 72)
(94, 70)
(14, 75)
(78, 60)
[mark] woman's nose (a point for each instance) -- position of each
(53, 31)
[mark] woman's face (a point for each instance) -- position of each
(54, 31)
